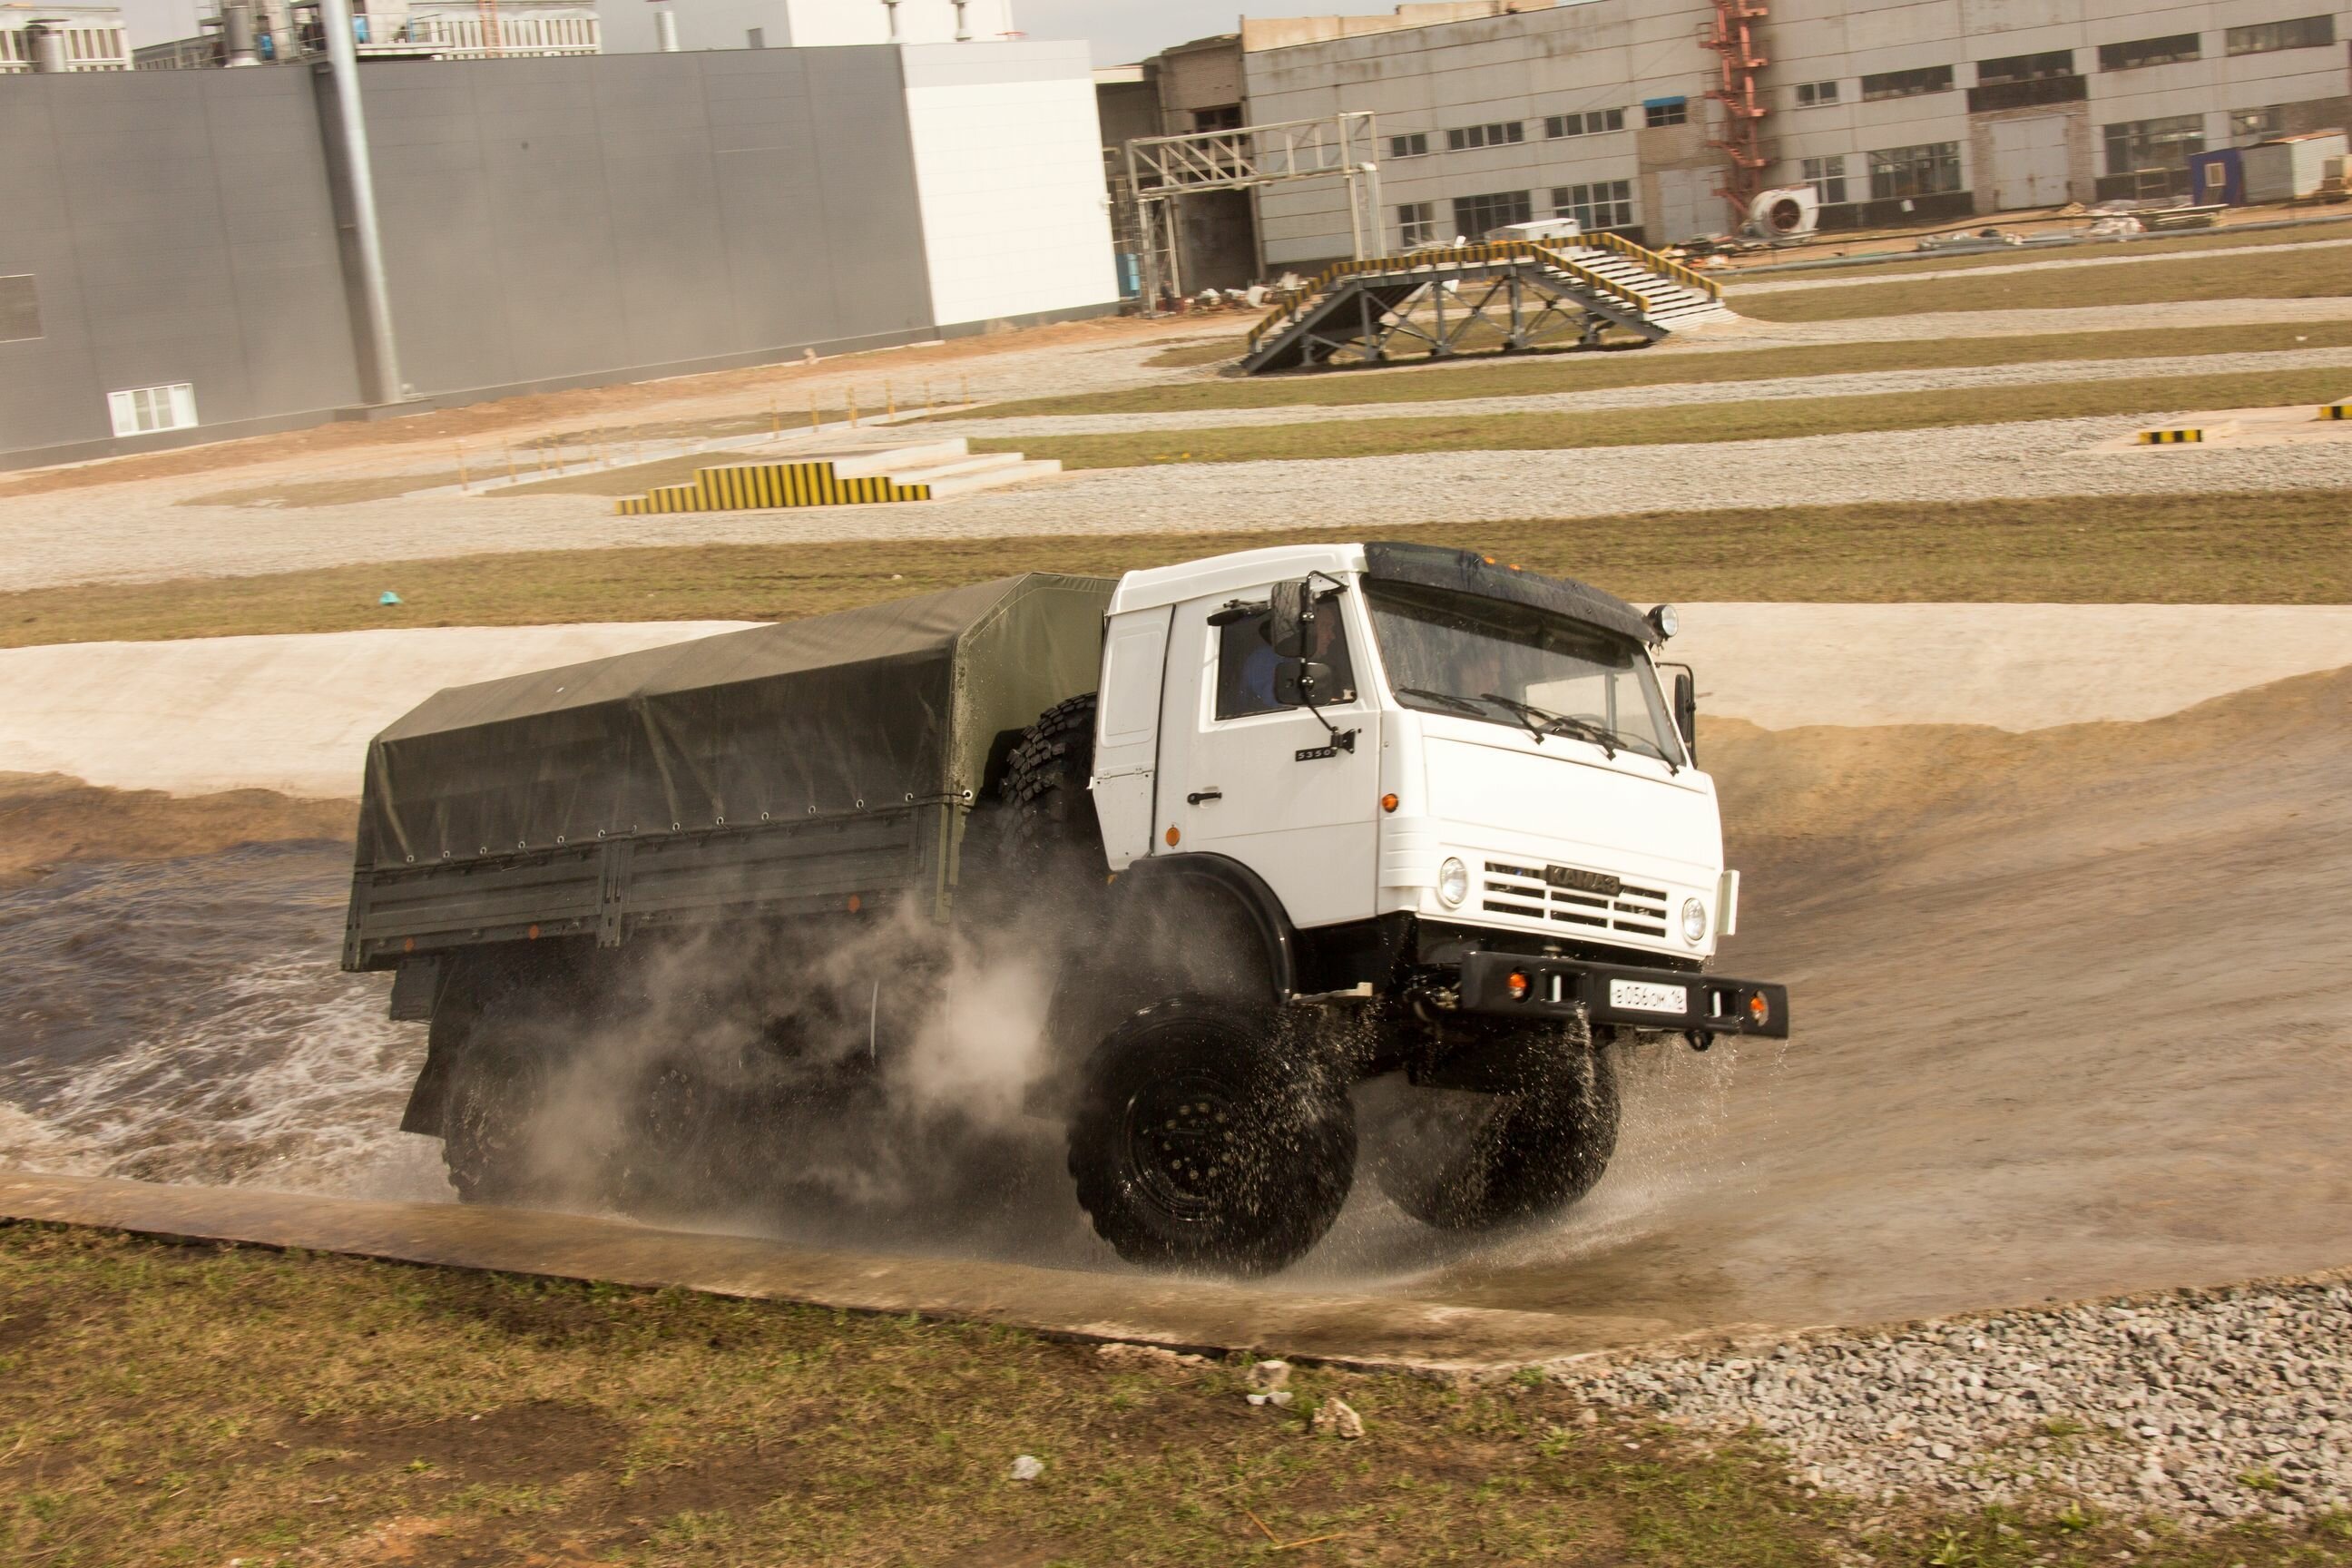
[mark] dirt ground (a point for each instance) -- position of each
(48, 820)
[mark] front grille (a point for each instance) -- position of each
(1521, 891)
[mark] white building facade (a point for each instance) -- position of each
(62, 37)
(1894, 112)
(633, 25)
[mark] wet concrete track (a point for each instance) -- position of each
(2069, 1022)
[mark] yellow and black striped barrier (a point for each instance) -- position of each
(2341, 409)
(749, 487)
(2171, 437)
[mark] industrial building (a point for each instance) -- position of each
(1661, 118)
(61, 38)
(179, 263)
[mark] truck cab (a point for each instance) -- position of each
(1453, 764)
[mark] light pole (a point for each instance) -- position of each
(375, 293)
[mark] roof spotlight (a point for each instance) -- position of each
(1666, 620)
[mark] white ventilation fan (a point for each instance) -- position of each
(1790, 212)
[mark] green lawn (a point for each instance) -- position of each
(1728, 420)
(1541, 374)
(167, 1404)
(1896, 264)
(2290, 547)
(2295, 274)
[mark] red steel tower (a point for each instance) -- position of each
(1736, 36)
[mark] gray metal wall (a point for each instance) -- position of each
(178, 227)
(546, 220)
(556, 222)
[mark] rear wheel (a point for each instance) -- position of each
(1461, 1161)
(1206, 1135)
(490, 1138)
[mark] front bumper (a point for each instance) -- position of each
(1622, 996)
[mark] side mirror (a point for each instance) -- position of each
(1302, 683)
(1291, 618)
(1686, 712)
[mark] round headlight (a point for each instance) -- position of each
(1666, 620)
(1694, 922)
(1453, 883)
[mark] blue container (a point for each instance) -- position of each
(2218, 177)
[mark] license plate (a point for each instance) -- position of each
(1641, 997)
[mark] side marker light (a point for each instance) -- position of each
(1759, 1010)
(1387, 802)
(1517, 984)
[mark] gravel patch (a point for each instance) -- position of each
(1746, 289)
(94, 537)
(1682, 394)
(2210, 1405)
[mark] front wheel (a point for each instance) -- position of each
(1462, 1161)
(1208, 1134)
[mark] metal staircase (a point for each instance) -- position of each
(1499, 295)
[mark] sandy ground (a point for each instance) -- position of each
(2098, 257)
(294, 714)
(2068, 1024)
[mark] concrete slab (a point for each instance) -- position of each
(2288, 425)
(294, 713)
(1362, 1330)
(287, 713)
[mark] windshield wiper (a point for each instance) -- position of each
(1459, 704)
(1528, 713)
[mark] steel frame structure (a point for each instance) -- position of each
(1734, 35)
(1435, 307)
(1162, 170)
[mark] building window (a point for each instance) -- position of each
(20, 309)
(2137, 144)
(1906, 84)
(1417, 224)
(1592, 122)
(2142, 52)
(1660, 111)
(1605, 204)
(1463, 138)
(1813, 94)
(2025, 68)
(1928, 170)
(1827, 177)
(153, 408)
(1416, 145)
(2303, 33)
(1474, 216)
(1225, 117)
(2245, 125)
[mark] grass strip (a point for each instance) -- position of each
(1538, 376)
(1759, 420)
(1898, 263)
(172, 1403)
(2291, 547)
(2297, 275)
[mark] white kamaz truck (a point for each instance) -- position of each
(1299, 833)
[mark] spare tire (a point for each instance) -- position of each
(1044, 814)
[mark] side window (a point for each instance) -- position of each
(1245, 663)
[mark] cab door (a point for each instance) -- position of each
(1268, 784)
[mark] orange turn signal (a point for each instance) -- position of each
(1387, 802)
(1172, 835)
(1518, 983)
(1759, 1010)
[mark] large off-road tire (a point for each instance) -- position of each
(1208, 1135)
(490, 1126)
(1043, 816)
(1459, 1161)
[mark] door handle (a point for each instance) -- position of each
(1200, 795)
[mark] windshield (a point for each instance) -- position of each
(1508, 663)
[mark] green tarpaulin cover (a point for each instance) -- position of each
(858, 711)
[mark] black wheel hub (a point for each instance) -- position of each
(1184, 1142)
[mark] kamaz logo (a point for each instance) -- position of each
(1583, 881)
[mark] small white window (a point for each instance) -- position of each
(147, 409)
